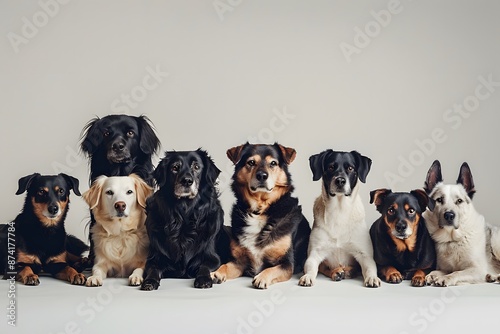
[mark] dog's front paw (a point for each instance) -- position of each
(418, 281)
(394, 277)
(77, 279)
(135, 280)
(306, 280)
(372, 282)
(261, 281)
(218, 277)
(150, 285)
(31, 279)
(444, 281)
(492, 278)
(94, 281)
(203, 282)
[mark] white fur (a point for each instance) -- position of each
(340, 237)
(465, 251)
(120, 241)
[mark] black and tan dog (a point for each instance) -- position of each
(41, 240)
(269, 234)
(403, 248)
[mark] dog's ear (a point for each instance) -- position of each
(363, 165)
(378, 196)
(316, 163)
(160, 172)
(25, 182)
(72, 182)
(91, 136)
(465, 179)
(288, 153)
(423, 200)
(234, 153)
(210, 171)
(434, 176)
(93, 195)
(148, 142)
(142, 189)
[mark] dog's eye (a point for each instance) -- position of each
(109, 192)
(129, 192)
(331, 168)
(130, 133)
(61, 191)
(41, 192)
(175, 168)
(350, 169)
(251, 163)
(439, 200)
(274, 163)
(459, 201)
(106, 133)
(196, 166)
(411, 211)
(391, 211)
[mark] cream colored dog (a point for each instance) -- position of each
(119, 235)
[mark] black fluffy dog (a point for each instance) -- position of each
(184, 220)
(119, 145)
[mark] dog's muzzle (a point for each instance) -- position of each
(260, 182)
(120, 208)
(53, 211)
(118, 152)
(186, 187)
(402, 231)
(339, 185)
(448, 220)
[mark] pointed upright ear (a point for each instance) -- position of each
(378, 196)
(234, 153)
(317, 164)
(288, 153)
(210, 170)
(93, 195)
(148, 142)
(91, 136)
(465, 179)
(434, 176)
(25, 182)
(72, 182)
(142, 189)
(363, 165)
(423, 199)
(160, 172)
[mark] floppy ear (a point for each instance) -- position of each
(434, 176)
(93, 195)
(378, 196)
(234, 153)
(142, 189)
(73, 183)
(160, 172)
(363, 165)
(91, 136)
(288, 153)
(210, 171)
(316, 163)
(149, 142)
(465, 179)
(25, 182)
(423, 200)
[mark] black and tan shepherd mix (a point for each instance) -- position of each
(184, 220)
(42, 244)
(403, 248)
(269, 234)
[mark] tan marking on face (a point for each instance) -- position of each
(40, 208)
(411, 241)
(23, 257)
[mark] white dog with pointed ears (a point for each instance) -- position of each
(468, 249)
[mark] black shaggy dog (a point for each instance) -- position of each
(119, 145)
(184, 220)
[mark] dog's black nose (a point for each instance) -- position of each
(118, 146)
(340, 182)
(187, 181)
(53, 209)
(401, 226)
(120, 206)
(449, 216)
(261, 176)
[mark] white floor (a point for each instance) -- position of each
(234, 307)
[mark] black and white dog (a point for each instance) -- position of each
(340, 240)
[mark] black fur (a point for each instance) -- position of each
(119, 145)
(385, 253)
(32, 236)
(183, 227)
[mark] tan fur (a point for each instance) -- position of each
(27, 276)
(271, 275)
(391, 274)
